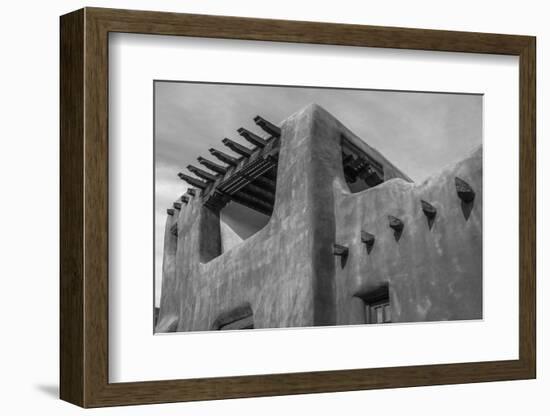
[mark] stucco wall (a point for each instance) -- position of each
(287, 271)
(167, 321)
(433, 274)
(272, 270)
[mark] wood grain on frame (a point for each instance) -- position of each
(84, 207)
(72, 208)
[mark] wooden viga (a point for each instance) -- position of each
(246, 176)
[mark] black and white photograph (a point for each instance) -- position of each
(292, 206)
(265, 208)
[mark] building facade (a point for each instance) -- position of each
(349, 238)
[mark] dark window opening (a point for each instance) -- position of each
(361, 170)
(377, 306)
(378, 313)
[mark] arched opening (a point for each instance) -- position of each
(240, 317)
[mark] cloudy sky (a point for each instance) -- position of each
(418, 132)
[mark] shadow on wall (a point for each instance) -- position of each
(466, 195)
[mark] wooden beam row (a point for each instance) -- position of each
(240, 178)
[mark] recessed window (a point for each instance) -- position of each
(378, 313)
(361, 170)
(377, 306)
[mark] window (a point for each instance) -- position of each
(377, 305)
(378, 313)
(361, 170)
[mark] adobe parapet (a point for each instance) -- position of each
(347, 230)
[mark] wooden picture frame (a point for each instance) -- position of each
(84, 207)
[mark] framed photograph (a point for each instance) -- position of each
(255, 207)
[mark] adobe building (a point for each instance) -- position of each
(348, 238)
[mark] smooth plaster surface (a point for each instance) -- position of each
(287, 271)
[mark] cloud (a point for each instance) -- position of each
(419, 132)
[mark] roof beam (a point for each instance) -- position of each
(192, 181)
(266, 183)
(260, 192)
(222, 170)
(252, 138)
(268, 127)
(238, 148)
(224, 157)
(252, 202)
(202, 173)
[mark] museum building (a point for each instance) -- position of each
(311, 226)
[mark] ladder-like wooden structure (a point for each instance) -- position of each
(248, 178)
